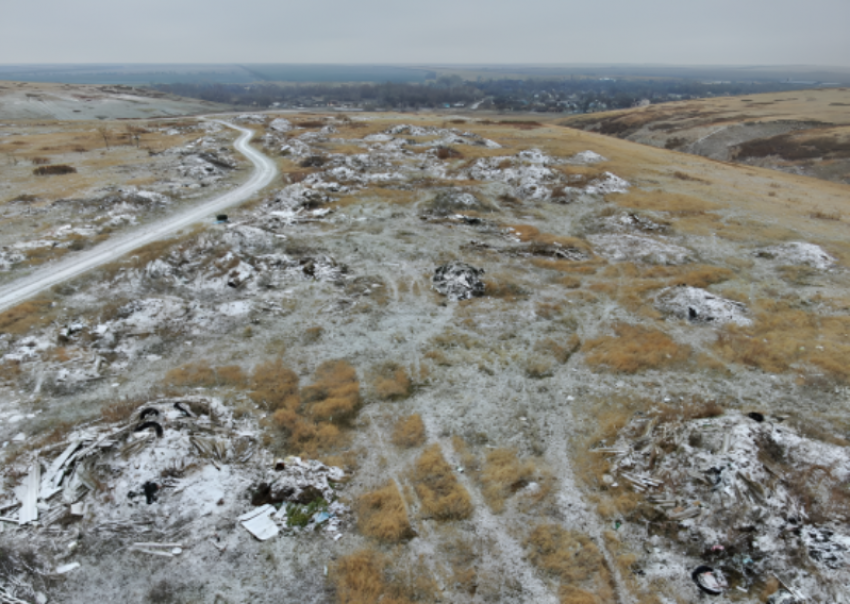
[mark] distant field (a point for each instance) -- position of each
(804, 132)
(224, 74)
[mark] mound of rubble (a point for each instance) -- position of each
(156, 483)
(746, 494)
(635, 248)
(700, 306)
(798, 253)
(458, 281)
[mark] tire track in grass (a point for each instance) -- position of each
(511, 553)
(569, 498)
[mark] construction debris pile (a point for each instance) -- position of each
(458, 281)
(156, 482)
(746, 494)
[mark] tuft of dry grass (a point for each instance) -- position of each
(573, 595)
(52, 170)
(119, 411)
(570, 556)
(20, 319)
(409, 431)
(634, 348)
(783, 337)
(367, 577)
(441, 495)
(334, 394)
(274, 386)
(504, 474)
(561, 351)
(201, 374)
(391, 382)
(382, 514)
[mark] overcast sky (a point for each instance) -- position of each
(730, 32)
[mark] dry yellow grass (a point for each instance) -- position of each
(441, 495)
(663, 201)
(409, 431)
(382, 514)
(274, 386)
(368, 577)
(783, 337)
(503, 475)
(391, 382)
(634, 348)
(335, 393)
(202, 374)
(23, 317)
(572, 557)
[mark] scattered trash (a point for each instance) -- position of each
(259, 523)
(458, 281)
(709, 580)
(66, 568)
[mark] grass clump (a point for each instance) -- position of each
(20, 319)
(368, 577)
(782, 338)
(442, 496)
(274, 386)
(53, 170)
(504, 474)
(634, 348)
(409, 431)
(201, 374)
(571, 557)
(312, 417)
(391, 382)
(381, 514)
(335, 393)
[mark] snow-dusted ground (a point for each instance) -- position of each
(302, 277)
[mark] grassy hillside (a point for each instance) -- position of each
(805, 132)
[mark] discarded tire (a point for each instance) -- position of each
(709, 580)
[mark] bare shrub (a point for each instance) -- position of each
(54, 170)
(381, 514)
(409, 431)
(442, 496)
(40, 161)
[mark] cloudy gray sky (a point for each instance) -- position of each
(427, 31)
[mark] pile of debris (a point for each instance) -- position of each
(458, 281)
(745, 493)
(701, 306)
(798, 253)
(636, 248)
(153, 481)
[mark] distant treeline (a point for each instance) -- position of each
(580, 95)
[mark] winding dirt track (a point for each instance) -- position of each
(46, 277)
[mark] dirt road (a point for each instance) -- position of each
(46, 277)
